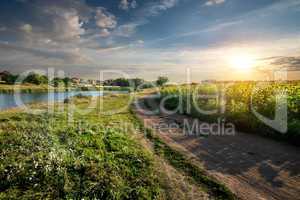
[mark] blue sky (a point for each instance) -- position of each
(149, 38)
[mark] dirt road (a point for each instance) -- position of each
(251, 166)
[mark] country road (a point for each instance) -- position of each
(251, 166)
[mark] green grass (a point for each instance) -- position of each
(116, 88)
(45, 156)
(89, 156)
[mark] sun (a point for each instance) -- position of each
(242, 61)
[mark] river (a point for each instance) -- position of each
(10, 100)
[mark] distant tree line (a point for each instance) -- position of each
(33, 78)
(123, 82)
(7, 77)
(38, 79)
(136, 82)
(66, 82)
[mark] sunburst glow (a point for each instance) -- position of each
(242, 61)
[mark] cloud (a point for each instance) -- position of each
(26, 28)
(104, 19)
(68, 25)
(47, 22)
(104, 33)
(57, 24)
(69, 56)
(290, 63)
(126, 30)
(3, 28)
(127, 4)
(212, 28)
(213, 2)
(154, 9)
(151, 9)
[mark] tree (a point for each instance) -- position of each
(136, 82)
(57, 82)
(67, 81)
(122, 82)
(162, 80)
(36, 79)
(8, 78)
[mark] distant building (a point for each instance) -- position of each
(75, 80)
(92, 82)
(98, 82)
(83, 82)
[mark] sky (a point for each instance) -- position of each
(181, 39)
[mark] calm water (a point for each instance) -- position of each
(9, 100)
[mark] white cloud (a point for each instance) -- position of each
(104, 19)
(62, 25)
(3, 28)
(155, 8)
(26, 28)
(126, 30)
(127, 4)
(69, 25)
(63, 55)
(214, 2)
(104, 33)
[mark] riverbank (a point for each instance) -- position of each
(86, 155)
(31, 88)
(28, 88)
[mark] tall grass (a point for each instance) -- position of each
(241, 98)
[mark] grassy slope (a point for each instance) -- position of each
(44, 156)
(26, 88)
(30, 88)
(23, 86)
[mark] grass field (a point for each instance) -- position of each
(44, 156)
(88, 156)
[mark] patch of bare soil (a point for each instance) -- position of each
(251, 166)
(175, 184)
